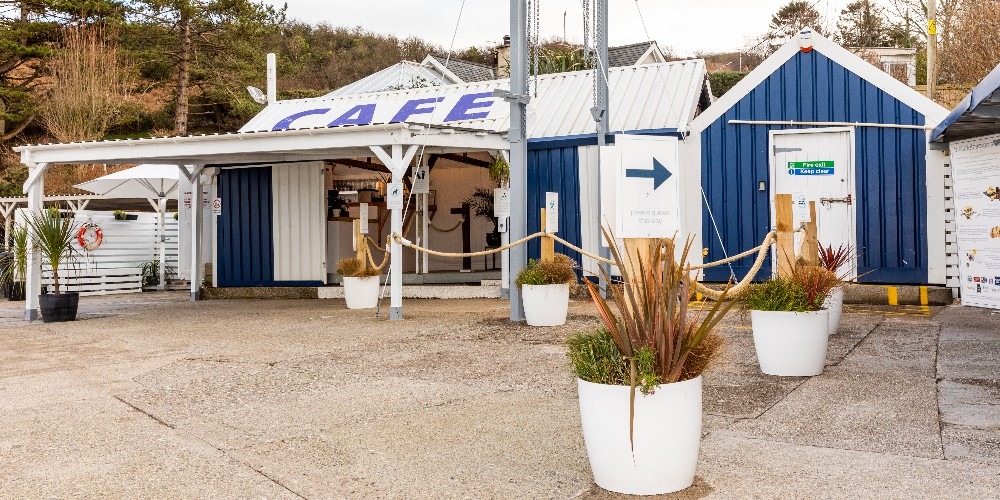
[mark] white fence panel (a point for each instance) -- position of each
(116, 265)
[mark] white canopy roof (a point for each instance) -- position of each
(141, 181)
(651, 97)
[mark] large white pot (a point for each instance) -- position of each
(545, 305)
(667, 436)
(361, 293)
(791, 344)
(835, 304)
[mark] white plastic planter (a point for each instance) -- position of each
(667, 436)
(545, 305)
(835, 304)
(791, 344)
(361, 293)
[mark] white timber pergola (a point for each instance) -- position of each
(395, 144)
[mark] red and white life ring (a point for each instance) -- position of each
(90, 237)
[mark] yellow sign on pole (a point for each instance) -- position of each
(932, 27)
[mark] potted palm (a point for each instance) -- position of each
(545, 290)
(52, 235)
(360, 283)
(639, 378)
(16, 266)
(790, 326)
(481, 205)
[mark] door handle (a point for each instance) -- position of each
(827, 201)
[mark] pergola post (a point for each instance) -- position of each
(397, 163)
(193, 172)
(34, 187)
(160, 205)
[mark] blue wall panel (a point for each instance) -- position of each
(245, 236)
(557, 170)
(889, 168)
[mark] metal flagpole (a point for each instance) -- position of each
(602, 117)
(517, 96)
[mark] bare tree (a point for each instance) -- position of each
(975, 47)
(90, 86)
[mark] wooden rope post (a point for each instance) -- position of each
(360, 244)
(548, 244)
(786, 236)
(810, 243)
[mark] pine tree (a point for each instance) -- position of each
(207, 48)
(863, 24)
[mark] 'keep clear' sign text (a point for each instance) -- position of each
(824, 167)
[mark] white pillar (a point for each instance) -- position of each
(163, 243)
(195, 214)
(505, 263)
(397, 163)
(425, 233)
(396, 269)
(35, 189)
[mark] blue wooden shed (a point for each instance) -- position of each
(817, 121)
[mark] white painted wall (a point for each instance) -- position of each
(298, 211)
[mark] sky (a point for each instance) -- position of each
(685, 26)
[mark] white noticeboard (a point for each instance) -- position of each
(421, 180)
(363, 217)
(647, 187)
(551, 212)
(501, 202)
(976, 172)
(394, 196)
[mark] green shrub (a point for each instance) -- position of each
(557, 271)
(596, 358)
(722, 81)
(778, 294)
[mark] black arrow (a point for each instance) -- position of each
(659, 174)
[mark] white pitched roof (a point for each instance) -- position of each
(647, 97)
(920, 103)
(403, 75)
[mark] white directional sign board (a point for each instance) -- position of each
(647, 187)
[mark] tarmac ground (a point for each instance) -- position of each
(151, 396)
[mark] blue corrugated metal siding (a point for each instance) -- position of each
(557, 170)
(245, 237)
(889, 168)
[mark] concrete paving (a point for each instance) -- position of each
(152, 396)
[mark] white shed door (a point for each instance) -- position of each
(299, 212)
(818, 164)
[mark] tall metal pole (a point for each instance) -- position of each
(518, 148)
(931, 47)
(602, 117)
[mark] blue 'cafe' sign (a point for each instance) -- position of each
(426, 110)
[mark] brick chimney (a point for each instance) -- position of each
(503, 58)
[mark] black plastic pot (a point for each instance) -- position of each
(493, 239)
(59, 307)
(15, 291)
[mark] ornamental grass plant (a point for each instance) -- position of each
(803, 291)
(653, 314)
(352, 267)
(557, 271)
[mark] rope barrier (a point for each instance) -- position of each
(734, 291)
(458, 255)
(457, 225)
